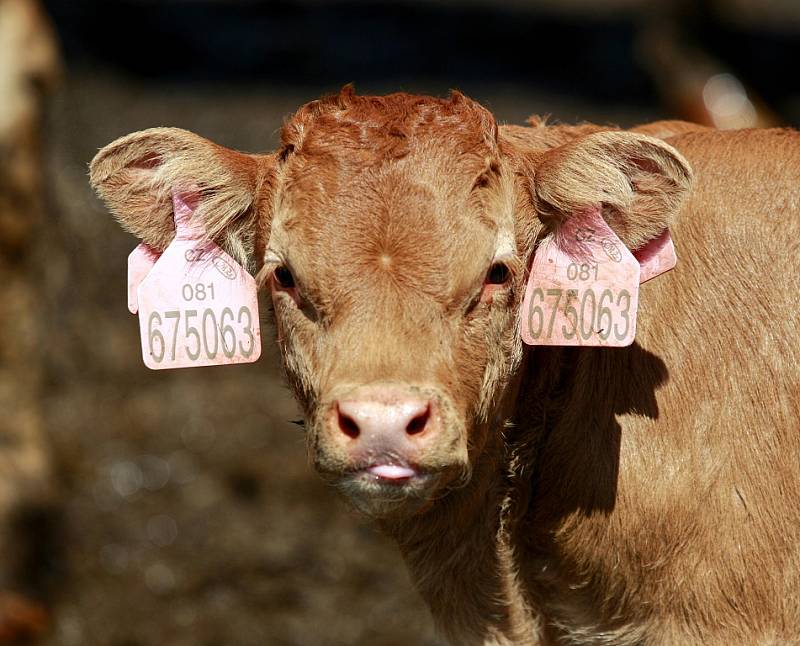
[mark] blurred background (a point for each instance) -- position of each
(143, 508)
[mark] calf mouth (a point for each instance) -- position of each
(382, 490)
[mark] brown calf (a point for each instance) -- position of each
(539, 495)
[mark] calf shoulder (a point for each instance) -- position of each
(663, 498)
(539, 136)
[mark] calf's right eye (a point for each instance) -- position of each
(498, 274)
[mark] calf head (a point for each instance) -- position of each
(394, 234)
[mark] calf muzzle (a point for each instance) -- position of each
(388, 446)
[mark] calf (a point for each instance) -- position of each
(540, 494)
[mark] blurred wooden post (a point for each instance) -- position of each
(29, 68)
(692, 83)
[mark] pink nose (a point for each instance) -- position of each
(388, 415)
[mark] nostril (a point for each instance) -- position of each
(418, 424)
(368, 419)
(348, 425)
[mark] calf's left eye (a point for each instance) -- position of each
(284, 277)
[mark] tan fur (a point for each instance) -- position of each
(669, 128)
(662, 502)
(642, 495)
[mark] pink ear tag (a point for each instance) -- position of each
(583, 288)
(197, 305)
(656, 257)
(140, 262)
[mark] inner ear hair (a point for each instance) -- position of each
(135, 176)
(637, 180)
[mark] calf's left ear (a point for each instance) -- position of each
(135, 176)
(639, 182)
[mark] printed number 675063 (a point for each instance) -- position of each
(586, 314)
(207, 341)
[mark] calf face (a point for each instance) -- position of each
(394, 234)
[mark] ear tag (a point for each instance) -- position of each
(140, 262)
(656, 257)
(197, 305)
(583, 288)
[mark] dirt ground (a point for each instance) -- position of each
(187, 512)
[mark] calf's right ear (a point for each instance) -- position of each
(135, 175)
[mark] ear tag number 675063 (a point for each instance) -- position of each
(583, 288)
(197, 306)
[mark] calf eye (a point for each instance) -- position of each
(498, 274)
(284, 277)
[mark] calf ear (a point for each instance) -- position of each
(639, 182)
(135, 175)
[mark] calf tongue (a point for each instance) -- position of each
(391, 471)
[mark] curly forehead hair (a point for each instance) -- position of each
(386, 126)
